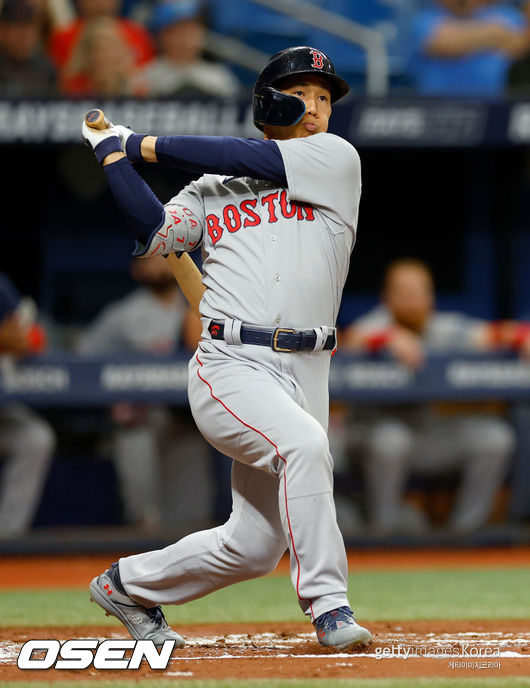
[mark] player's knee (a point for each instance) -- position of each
(314, 447)
(259, 552)
(389, 442)
(38, 439)
(494, 440)
(263, 563)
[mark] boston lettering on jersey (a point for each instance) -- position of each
(234, 217)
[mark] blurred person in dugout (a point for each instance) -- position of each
(428, 439)
(25, 70)
(27, 442)
(179, 67)
(99, 50)
(161, 462)
(466, 47)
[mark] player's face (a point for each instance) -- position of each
(409, 296)
(182, 42)
(98, 8)
(315, 93)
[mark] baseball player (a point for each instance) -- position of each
(427, 439)
(27, 441)
(276, 219)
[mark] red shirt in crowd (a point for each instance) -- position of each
(63, 41)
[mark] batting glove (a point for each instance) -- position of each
(102, 141)
(124, 133)
(132, 142)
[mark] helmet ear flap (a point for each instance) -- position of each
(275, 108)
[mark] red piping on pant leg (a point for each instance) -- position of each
(284, 476)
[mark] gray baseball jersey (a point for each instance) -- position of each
(272, 257)
(280, 256)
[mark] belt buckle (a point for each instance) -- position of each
(275, 346)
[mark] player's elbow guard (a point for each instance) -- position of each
(180, 231)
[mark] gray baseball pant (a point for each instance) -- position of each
(27, 444)
(271, 417)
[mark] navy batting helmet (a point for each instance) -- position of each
(275, 108)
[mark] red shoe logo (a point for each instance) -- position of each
(107, 588)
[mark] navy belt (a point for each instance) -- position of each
(280, 339)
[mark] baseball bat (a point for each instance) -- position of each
(95, 119)
(184, 270)
(189, 279)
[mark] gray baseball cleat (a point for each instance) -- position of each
(142, 623)
(339, 629)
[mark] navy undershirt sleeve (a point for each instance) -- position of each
(142, 209)
(228, 155)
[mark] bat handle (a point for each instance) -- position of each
(95, 119)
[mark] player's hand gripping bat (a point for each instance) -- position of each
(183, 268)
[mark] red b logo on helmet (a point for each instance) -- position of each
(318, 59)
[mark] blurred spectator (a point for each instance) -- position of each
(102, 61)
(63, 42)
(179, 67)
(149, 440)
(53, 14)
(24, 68)
(138, 10)
(58, 13)
(466, 47)
(27, 442)
(425, 439)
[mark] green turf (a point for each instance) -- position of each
(375, 595)
(479, 682)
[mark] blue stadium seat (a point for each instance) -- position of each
(388, 16)
(258, 26)
(243, 18)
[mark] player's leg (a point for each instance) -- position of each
(479, 449)
(240, 407)
(187, 487)
(135, 457)
(27, 443)
(320, 565)
(256, 415)
(248, 545)
(386, 469)
(386, 443)
(487, 445)
(251, 414)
